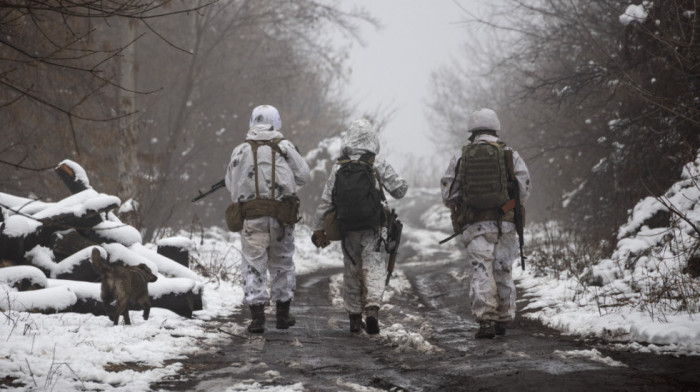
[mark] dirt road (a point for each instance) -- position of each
(426, 343)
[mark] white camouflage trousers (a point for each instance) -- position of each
(266, 248)
(492, 291)
(363, 280)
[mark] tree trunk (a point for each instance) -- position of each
(128, 165)
(67, 175)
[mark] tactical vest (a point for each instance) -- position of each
(486, 184)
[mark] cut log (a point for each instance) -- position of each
(176, 248)
(77, 267)
(180, 303)
(113, 231)
(23, 277)
(17, 235)
(48, 300)
(82, 271)
(69, 220)
(68, 242)
(179, 295)
(181, 256)
(72, 176)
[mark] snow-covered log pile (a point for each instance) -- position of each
(45, 250)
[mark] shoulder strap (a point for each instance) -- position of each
(274, 146)
(381, 186)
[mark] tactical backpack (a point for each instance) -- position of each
(485, 194)
(356, 197)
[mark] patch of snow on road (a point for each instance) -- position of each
(592, 354)
(404, 340)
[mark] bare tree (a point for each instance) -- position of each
(151, 99)
(67, 86)
(239, 54)
(605, 112)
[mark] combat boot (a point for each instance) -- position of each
(500, 328)
(486, 330)
(356, 322)
(284, 319)
(257, 314)
(372, 320)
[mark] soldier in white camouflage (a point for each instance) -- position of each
(267, 245)
(364, 255)
(491, 240)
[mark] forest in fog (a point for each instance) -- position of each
(600, 97)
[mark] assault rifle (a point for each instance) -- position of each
(518, 208)
(395, 227)
(213, 189)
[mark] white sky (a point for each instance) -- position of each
(393, 70)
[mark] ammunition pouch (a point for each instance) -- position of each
(460, 217)
(331, 227)
(286, 211)
(234, 217)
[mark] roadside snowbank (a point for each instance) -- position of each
(643, 292)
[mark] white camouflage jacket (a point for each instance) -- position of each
(291, 170)
(358, 140)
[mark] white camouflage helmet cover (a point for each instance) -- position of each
(483, 119)
(266, 114)
(360, 135)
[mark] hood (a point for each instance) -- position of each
(360, 138)
(266, 114)
(263, 132)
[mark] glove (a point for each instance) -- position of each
(319, 239)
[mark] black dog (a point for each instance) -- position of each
(128, 285)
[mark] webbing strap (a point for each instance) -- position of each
(272, 182)
(254, 147)
(274, 147)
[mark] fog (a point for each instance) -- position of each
(391, 72)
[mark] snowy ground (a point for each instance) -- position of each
(70, 351)
(83, 352)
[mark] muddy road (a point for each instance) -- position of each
(426, 344)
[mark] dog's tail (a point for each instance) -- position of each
(98, 263)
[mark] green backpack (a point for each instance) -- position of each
(483, 172)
